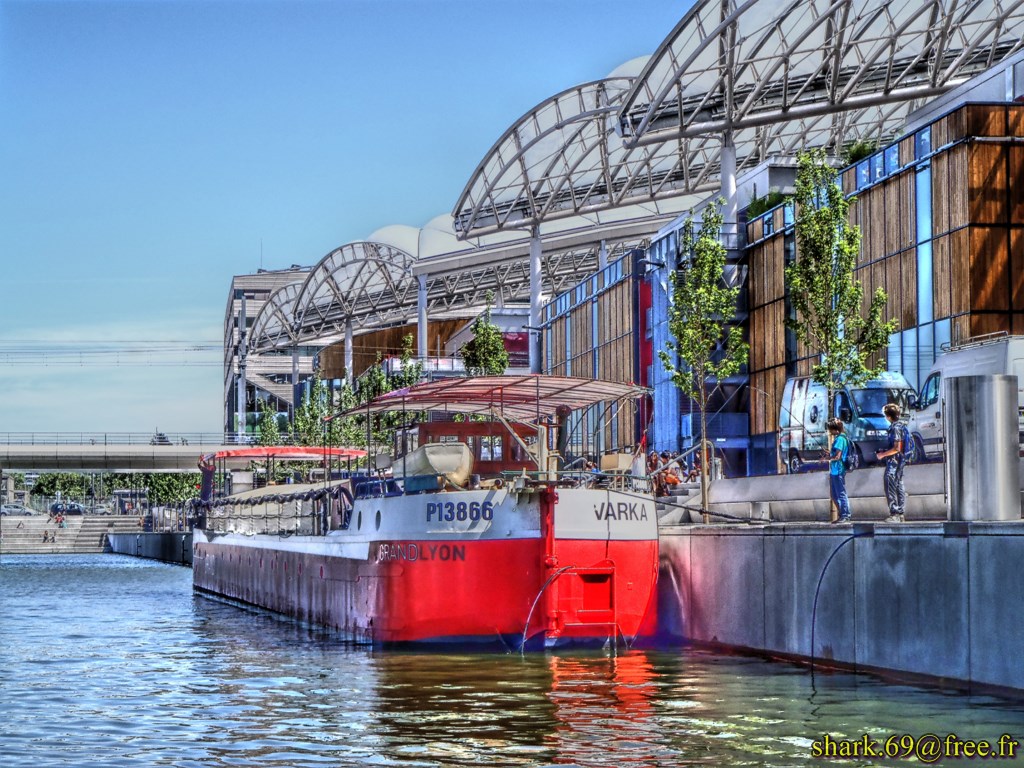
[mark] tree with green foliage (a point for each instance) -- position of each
(706, 347)
(485, 353)
(826, 299)
(69, 484)
(166, 488)
(269, 432)
(829, 318)
(310, 426)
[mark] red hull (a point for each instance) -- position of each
(450, 591)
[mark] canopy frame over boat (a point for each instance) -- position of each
(528, 399)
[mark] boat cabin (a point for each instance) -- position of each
(493, 449)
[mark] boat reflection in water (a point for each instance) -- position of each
(588, 709)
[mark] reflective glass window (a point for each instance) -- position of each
(923, 180)
(892, 159)
(877, 169)
(923, 143)
(863, 174)
(787, 214)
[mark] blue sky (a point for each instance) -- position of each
(151, 150)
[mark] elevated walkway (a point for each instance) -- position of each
(86, 534)
(110, 458)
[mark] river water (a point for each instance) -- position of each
(108, 661)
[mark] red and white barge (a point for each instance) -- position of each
(507, 554)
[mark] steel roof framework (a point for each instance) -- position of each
(731, 66)
(777, 78)
(304, 312)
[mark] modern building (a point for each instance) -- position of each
(554, 211)
(273, 376)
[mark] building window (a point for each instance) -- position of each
(892, 159)
(863, 174)
(769, 224)
(787, 214)
(923, 143)
(877, 169)
(923, 200)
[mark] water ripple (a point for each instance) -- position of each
(111, 661)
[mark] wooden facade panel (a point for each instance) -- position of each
(1016, 184)
(989, 269)
(867, 285)
(907, 151)
(941, 184)
(986, 120)
(960, 267)
(982, 323)
(757, 274)
(941, 277)
(893, 215)
(907, 300)
(848, 180)
(892, 287)
(957, 188)
(1017, 270)
(777, 270)
(908, 210)
(1015, 122)
(987, 184)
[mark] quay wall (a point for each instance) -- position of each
(942, 602)
(171, 547)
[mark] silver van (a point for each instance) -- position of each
(996, 353)
(803, 438)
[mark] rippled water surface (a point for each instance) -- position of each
(107, 661)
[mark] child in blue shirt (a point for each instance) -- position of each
(837, 469)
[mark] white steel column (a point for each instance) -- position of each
(295, 380)
(730, 213)
(240, 392)
(536, 283)
(421, 325)
(602, 256)
(348, 351)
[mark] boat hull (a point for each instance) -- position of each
(562, 573)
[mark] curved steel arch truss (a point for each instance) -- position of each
(732, 65)
(273, 327)
(378, 291)
(468, 289)
(563, 159)
(775, 77)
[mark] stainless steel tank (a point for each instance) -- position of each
(980, 422)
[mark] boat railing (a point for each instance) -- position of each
(581, 478)
(306, 514)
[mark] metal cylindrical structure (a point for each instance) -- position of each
(982, 464)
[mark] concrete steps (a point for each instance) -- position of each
(671, 509)
(84, 534)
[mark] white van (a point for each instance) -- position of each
(995, 353)
(803, 439)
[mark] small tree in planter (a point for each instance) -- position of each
(485, 353)
(707, 345)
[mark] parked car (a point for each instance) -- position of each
(99, 509)
(66, 508)
(15, 509)
(993, 354)
(803, 439)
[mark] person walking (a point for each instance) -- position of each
(895, 493)
(837, 469)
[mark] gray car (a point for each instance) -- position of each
(15, 509)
